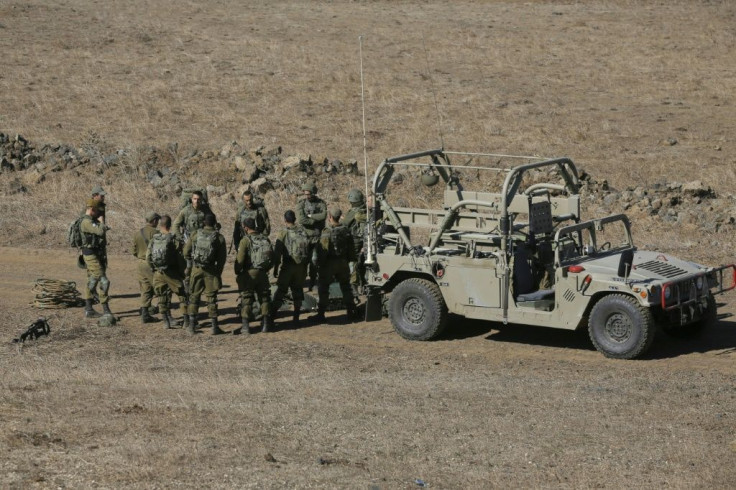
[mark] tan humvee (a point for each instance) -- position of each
(524, 256)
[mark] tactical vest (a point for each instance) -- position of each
(90, 240)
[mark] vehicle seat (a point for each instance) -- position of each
(525, 287)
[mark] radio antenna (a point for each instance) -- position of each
(434, 94)
(362, 99)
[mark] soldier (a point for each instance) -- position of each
(189, 220)
(254, 260)
(333, 253)
(206, 251)
(94, 251)
(141, 239)
(354, 221)
(165, 259)
(311, 213)
(98, 194)
(291, 252)
(253, 208)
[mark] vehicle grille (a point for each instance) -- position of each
(661, 268)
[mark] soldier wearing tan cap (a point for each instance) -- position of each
(141, 239)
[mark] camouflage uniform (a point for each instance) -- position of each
(169, 279)
(311, 214)
(292, 275)
(186, 223)
(258, 213)
(205, 278)
(355, 220)
(94, 250)
(252, 282)
(141, 239)
(334, 251)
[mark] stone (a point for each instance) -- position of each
(696, 188)
(261, 185)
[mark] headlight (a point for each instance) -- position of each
(699, 282)
(667, 292)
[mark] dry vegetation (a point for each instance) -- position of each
(605, 83)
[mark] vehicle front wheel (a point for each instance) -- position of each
(620, 327)
(417, 310)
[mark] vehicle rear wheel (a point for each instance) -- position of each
(708, 318)
(417, 310)
(620, 327)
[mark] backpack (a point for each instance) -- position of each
(297, 245)
(159, 250)
(74, 233)
(203, 248)
(261, 252)
(340, 239)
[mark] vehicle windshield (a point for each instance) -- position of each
(593, 238)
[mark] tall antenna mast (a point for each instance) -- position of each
(362, 99)
(434, 94)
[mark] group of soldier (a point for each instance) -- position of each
(186, 257)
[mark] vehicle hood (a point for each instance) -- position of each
(648, 267)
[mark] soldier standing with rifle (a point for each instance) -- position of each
(253, 208)
(206, 251)
(355, 220)
(254, 260)
(165, 259)
(94, 251)
(189, 220)
(292, 253)
(141, 239)
(311, 213)
(333, 253)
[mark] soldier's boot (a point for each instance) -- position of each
(295, 317)
(192, 324)
(310, 284)
(352, 314)
(319, 316)
(90, 312)
(275, 307)
(146, 316)
(167, 320)
(106, 309)
(267, 323)
(356, 293)
(215, 327)
(185, 321)
(243, 329)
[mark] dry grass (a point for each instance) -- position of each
(605, 83)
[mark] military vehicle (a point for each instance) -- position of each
(524, 256)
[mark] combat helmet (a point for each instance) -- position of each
(355, 196)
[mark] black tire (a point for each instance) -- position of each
(709, 318)
(620, 328)
(417, 310)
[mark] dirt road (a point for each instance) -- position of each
(348, 405)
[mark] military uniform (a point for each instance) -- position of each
(252, 277)
(355, 220)
(94, 250)
(186, 223)
(168, 278)
(257, 213)
(141, 238)
(293, 271)
(334, 251)
(311, 213)
(205, 278)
